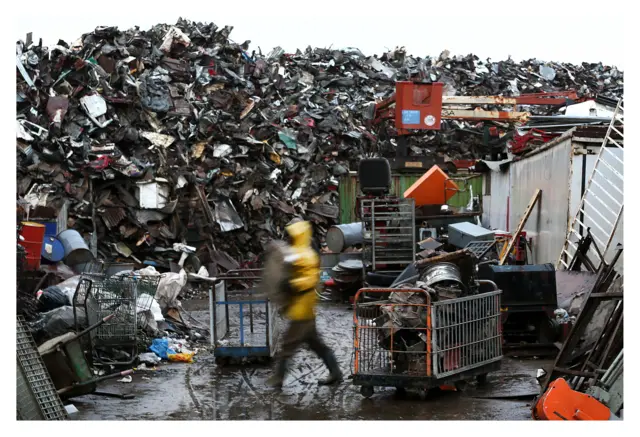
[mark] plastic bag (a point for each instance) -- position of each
(51, 298)
(160, 347)
(183, 357)
(169, 288)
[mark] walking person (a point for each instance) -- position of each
(304, 266)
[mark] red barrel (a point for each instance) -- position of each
(33, 235)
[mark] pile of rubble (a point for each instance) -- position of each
(180, 135)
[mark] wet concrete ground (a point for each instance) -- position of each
(205, 391)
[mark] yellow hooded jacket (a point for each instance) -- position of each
(305, 274)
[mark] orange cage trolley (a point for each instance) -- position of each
(411, 341)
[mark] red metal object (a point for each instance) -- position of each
(418, 106)
(32, 238)
(521, 143)
(464, 163)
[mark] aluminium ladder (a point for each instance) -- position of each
(602, 203)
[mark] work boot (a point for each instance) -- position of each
(334, 377)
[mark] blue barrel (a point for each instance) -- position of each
(52, 249)
(50, 227)
(76, 250)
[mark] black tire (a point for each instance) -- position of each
(366, 391)
(482, 379)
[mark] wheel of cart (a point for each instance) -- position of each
(412, 342)
(129, 297)
(243, 324)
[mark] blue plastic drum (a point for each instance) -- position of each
(52, 249)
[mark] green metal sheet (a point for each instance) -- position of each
(350, 187)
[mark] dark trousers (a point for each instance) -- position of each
(298, 334)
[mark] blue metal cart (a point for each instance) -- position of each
(243, 324)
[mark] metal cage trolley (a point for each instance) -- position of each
(128, 296)
(422, 344)
(242, 323)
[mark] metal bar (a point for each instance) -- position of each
(213, 332)
(241, 324)
(518, 230)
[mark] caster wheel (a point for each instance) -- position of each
(481, 379)
(221, 361)
(401, 391)
(366, 391)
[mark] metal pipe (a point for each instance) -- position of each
(615, 362)
(487, 282)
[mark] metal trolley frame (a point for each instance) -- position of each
(119, 294)
(242, 324)
(461, 339)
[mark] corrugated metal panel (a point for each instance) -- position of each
(495, 206)
(462, 198)
(350, 187)
(576, 194)
(550, 171)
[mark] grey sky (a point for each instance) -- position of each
(565, 34)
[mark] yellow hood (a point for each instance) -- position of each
(300, 234)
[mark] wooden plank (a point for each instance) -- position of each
(523, 220)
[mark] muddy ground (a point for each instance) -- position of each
(205, 391)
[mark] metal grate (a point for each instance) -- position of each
(480, 248)
(389, 233)
(37, 398)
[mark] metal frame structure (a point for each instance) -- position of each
(117, 295)
(37, 398)
(461, 338)
(602, 202)
(228, 337)
(389, 232)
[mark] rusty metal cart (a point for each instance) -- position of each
(448, 341)
(242, 324)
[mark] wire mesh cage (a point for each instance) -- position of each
(128, 296)
(37, 398)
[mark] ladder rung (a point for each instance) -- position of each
(605, 191)
(613, 170)
(613, 128)
(566, 266)
(606, 149)
(597, 212)
(595, 237)
(607, 207)
(611, 140)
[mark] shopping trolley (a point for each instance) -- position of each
(422, 343)
(127, 296)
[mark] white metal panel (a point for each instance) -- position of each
(576, 194)
(549, 171)
(495, 212)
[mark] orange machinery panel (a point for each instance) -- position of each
(430, 188)
(418, 106)
(560, 402)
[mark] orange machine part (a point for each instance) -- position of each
(429, 189)
(560, 402)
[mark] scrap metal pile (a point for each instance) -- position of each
(180, 135)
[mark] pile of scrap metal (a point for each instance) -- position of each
(586, 380)
(140, 139)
